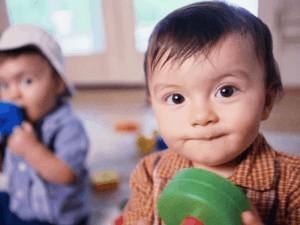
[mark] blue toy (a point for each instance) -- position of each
(160, 144)
(10, 116)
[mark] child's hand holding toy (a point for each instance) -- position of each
(23, 138)
(21, 135)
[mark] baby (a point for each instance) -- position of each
(44, 158)
(211, 79)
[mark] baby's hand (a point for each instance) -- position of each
(251, 217)
(22, 139)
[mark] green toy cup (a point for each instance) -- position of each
(203, 195)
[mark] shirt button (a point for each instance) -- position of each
(19, 194)
(22, 167)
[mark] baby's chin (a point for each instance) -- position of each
(33, 118)
(209, 156)
(221, 166)
(210, 160)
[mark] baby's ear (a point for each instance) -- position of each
(60, 86)
(149, 99)
(269, 103)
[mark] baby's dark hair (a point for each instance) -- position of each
(197, 28)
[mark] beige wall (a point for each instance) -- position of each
(121, 63)
(286, 53)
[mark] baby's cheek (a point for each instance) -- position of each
(242, 117)
(172, 139)
(250, 123)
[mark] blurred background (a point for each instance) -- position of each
(104, 40)
(104, 43)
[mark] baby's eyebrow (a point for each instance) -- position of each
(18, 76)
(161, 86)
(23, 75)
(235, 73)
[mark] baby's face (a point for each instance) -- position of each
(209, 109)
(28, 81)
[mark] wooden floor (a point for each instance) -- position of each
(101, 109)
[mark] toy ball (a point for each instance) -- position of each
(10, 116)
(202, 196)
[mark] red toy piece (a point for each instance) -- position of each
(119, 221)
(191, 221)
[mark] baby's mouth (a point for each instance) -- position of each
(208, 138)
(213, 137)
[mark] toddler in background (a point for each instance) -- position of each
(211, 79)
(44, 158)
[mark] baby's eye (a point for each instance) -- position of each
(226, 91)
(26, 81)
(175, 99)
(4, 86)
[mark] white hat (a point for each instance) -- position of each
(21, 35)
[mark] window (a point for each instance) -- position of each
(149, 12)
(77, 25)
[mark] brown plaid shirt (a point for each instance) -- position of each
(270, 180)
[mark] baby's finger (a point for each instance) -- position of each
(249, 218)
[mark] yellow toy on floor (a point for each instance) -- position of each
(103, 181)
(146, 145)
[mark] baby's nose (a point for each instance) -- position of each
(14, 93)
(202, 115)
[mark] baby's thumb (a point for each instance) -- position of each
(27, 126)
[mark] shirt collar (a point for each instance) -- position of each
(256, 171)
(170, 163)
